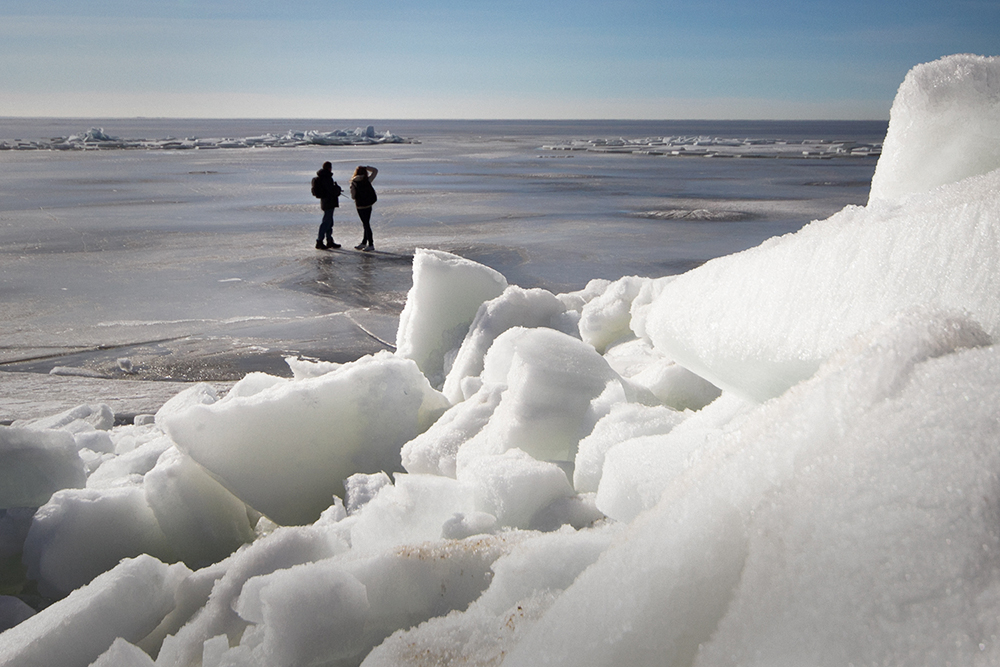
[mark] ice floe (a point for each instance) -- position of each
(709, 146)
(98, 139)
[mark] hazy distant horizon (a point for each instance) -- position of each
(470, 119)
(37, 128)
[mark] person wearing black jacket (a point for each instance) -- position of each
(329, 198)
(364, 196)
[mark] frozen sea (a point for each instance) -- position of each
(186, 265)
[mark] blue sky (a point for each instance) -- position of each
(717, 59)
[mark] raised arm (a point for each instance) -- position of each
(372, 173)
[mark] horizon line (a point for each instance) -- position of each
(464, 120)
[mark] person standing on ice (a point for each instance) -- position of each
(364, 196)
(324, 187)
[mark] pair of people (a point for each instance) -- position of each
(329, 192)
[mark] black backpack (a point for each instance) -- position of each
(364, 194)
(317, 189)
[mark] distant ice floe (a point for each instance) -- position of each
(704, 146)
(97, 139)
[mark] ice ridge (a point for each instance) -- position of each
(97, 139)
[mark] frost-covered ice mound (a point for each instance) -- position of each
(537, 478)
(97, 139)
(760, 321)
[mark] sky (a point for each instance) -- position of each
(472, 59)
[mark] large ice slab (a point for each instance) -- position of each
(759, 321)
(36, 464)
(446, 294)
(203, 521)
(127, 602)
(844, 505)
(516, 307)
(944, 126)
(551, 382)
(762, 320)
(81, 533)
(206, 600)
(286, 449)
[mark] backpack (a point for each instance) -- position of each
(364, 194)
(317, 189)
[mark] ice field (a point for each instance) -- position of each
(198, 264)
(785, 455)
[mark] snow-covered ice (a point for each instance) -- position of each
(97, 139)
(946, 128)
(928, 242)
(785, 456)
(354, 419)
(709, 146)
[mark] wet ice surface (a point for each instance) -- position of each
(199, 264)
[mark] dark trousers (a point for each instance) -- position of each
(366, 216)
(326, 227)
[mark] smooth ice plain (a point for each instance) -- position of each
(611, 474)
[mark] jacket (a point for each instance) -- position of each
(330, 190)
(362, 192)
